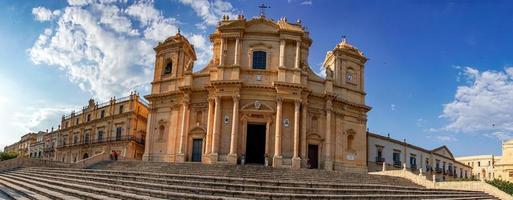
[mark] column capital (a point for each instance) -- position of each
(279, 99)
(211, 99)
(297, 102)
(236, 97)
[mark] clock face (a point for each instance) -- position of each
(349, 77)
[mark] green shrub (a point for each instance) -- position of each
(7, 155)
(505, 186)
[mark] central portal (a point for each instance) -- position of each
(255, 144)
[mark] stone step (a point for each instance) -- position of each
(32, 191)
(247, 194)
(112, 190)
(344, 189)
(227, 180)
(11, 192)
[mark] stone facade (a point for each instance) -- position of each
(396, 154)
(36, 149)
(258, 98)
(483, 166)
(118, 125)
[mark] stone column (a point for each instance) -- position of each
(221, 52)
(237, 52)
(298, 48)
(148, 141)
(277, 159)
(282, 53)
(232, 156)
(296, 160)
(216, 129)
(208, 143)
(181, 153)
(328, 163)
(304, 111)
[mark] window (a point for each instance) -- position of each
(120, 109)
(437, 164)
(427, 164)
(86, 138)
(259, 60)
(380, 153)
(479, 163)
(100, 136)
(118, 133)
(489, 163)
(199, 117)
(168, 68)
(75, 139)
(88, 117)
(396, 157)
(102, 114)
(66, 125)
(77, 121)
(413, 160)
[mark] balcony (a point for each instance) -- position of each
(104, 140)
(397, 163)
(439, 170)
(380, 160)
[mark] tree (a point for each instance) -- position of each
(7, 155)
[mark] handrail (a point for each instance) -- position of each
(103, 140)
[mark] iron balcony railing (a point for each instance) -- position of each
(380, 159)
(103, 140)
(397, 163)
(439, 170)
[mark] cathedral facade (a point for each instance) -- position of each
(258, 101)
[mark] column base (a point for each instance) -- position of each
(277, 161)
(180, 158)
(328, 165)
(213, 158)
(232, 159)
(205, 159)
(296, 163)
(146, 157)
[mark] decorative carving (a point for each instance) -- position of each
(257, 105)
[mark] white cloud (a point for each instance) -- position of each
(307, 2)
(44, 14)
(392, 107)
(483, 105)
(210, 11)
(446, 138)
(106, 48)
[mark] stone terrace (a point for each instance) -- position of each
(150, 180)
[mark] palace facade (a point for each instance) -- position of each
(258, 100)
(117, 125)
(396, 154)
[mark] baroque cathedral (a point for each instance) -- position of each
(258, 101)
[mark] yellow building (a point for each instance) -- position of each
(258, 100)
(483, 166)
(117, 125)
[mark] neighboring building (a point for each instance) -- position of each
(50, 142)
(37, 148)
(12, 148)
(24, 144)
(395, 154)
(258, 98)
(483, 166)
(117, 125)
(504, 165)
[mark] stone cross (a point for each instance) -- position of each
(262, 11)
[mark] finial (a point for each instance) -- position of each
(262, 11)
(344, 39)
(178, 33)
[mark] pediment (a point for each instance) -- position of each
(314, 136)
(198, 129)
(261, 25)
(443, 150)
(257, 106)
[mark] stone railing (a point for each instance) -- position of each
(84, 163)
(15, 163)
(422, 180)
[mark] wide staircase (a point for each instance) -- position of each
(151, 180)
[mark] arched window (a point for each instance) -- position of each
(259, 60)
(161, 133)
(168, 68)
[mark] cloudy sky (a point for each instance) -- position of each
(440, 72)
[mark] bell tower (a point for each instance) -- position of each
(345, 66)
(173, 64)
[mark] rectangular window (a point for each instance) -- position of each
(100, 136)
(75, 139)
(259, 60)
(479, 163)
(120, 109)
(489, 163)
(77, 121)
(118, 133)
(66, 125)
(396, 157)
(102, 114)
(413, 160)
(86, 138)
(88, 117)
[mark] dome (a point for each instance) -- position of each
(344, 45)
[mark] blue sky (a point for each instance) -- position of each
(439, 72)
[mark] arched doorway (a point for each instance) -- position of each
(85, 156)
